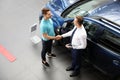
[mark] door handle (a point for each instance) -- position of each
(116, 62)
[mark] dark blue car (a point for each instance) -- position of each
(103, 30)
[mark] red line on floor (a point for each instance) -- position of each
(7, 54)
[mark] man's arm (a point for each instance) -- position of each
(58, 37)
(45, 35)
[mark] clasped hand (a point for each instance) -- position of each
(58, 37)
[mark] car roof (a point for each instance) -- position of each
(105, 22)
(110, 12)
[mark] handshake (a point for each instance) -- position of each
(58, 37)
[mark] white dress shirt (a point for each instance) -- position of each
(79, 39)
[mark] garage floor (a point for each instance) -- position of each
(16, 18)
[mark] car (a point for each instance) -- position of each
(103, 30)
(103, 49)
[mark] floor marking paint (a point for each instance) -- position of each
(7, 54)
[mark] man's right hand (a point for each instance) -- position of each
(58, 37)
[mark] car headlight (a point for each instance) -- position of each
(58, 29)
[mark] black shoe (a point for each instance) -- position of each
(45, 63)
(73, 74)
(69, 68)
(51, 55)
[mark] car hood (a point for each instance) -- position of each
(59, 5)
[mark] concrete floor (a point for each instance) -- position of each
(16, 17)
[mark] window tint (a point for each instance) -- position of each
(110, 41)
(91, 28)
(82, 8)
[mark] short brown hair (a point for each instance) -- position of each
(45, 10)
(79, 19)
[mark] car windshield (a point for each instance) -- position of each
(84, 9)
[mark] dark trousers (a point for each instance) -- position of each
(76, 59)
(46, 47)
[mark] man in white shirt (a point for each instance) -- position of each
(78, 44)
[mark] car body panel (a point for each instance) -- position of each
(59, 5)
(102, 57)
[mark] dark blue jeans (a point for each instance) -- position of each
(76, 59)
(46, 47)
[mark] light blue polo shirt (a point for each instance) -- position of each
(46, 26)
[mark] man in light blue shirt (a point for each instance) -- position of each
(46, 26)
(48, 35)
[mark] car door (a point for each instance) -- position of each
(100, 54)
(109, 43)
(93, 50)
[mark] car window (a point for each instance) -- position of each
(110, 40)
(91, 28)
(84, 8)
